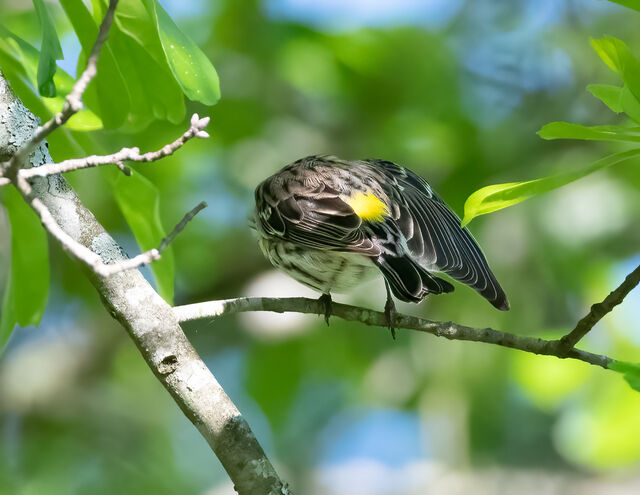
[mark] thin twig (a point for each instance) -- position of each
(147, 257)
(448, 330)
(73, 102)
(125, 154)
(86, 255)
(599, 310)
(181, 225)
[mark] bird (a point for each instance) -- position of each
(332, 224)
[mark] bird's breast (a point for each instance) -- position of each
(325, 271)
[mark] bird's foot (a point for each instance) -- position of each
(325, 299)
(390, 313)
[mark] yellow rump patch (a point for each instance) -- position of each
(367, 206)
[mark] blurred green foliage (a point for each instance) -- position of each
(618, 57)
(459, 103)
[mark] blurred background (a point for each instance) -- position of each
(454, 90)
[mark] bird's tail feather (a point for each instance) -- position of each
(408, 280)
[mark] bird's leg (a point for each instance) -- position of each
(326, 300)
(390, 310)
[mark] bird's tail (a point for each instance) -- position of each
(409, 281)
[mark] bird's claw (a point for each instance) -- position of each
(390, 310)
(390, 315)
(325, 299)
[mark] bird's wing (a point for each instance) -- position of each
(311, 216)
(434, 236)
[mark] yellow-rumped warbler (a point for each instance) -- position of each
(332, 224)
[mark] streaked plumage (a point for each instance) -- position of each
(332, 224)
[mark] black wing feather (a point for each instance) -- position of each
(408, 280)
(435, 238)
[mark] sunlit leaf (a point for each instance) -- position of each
(28, 57)
(630, 104)
(191, 68)
(153, 91)
(139, 202)
(618, 57)
(49, 52)
(632, 4)
(567, 130)
(28, 289)
(84, 120)
(630, 371)
(107, 94)
(608, 94)
(155, 94)
(499, 196)
(616, 54)
(607, 50)
(62, 141)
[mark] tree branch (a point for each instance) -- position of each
(127, 295)
(599, 310)
(125, 154)
(448, 330)
(100, 266)
(146, 316)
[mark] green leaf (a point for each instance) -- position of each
(107, 93)
(139, 202)
(154, 93)
(608, 94)
(20, 59)
(49, 52)
(84, 120)
(8, 317)
(567, 130)
(28, 290)
(630, 104)
(630, 371)
(499, 196)
(134, 60)
(616, 54)
(189, 65)
(632, 4)
(62, 141)
(607, 50)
